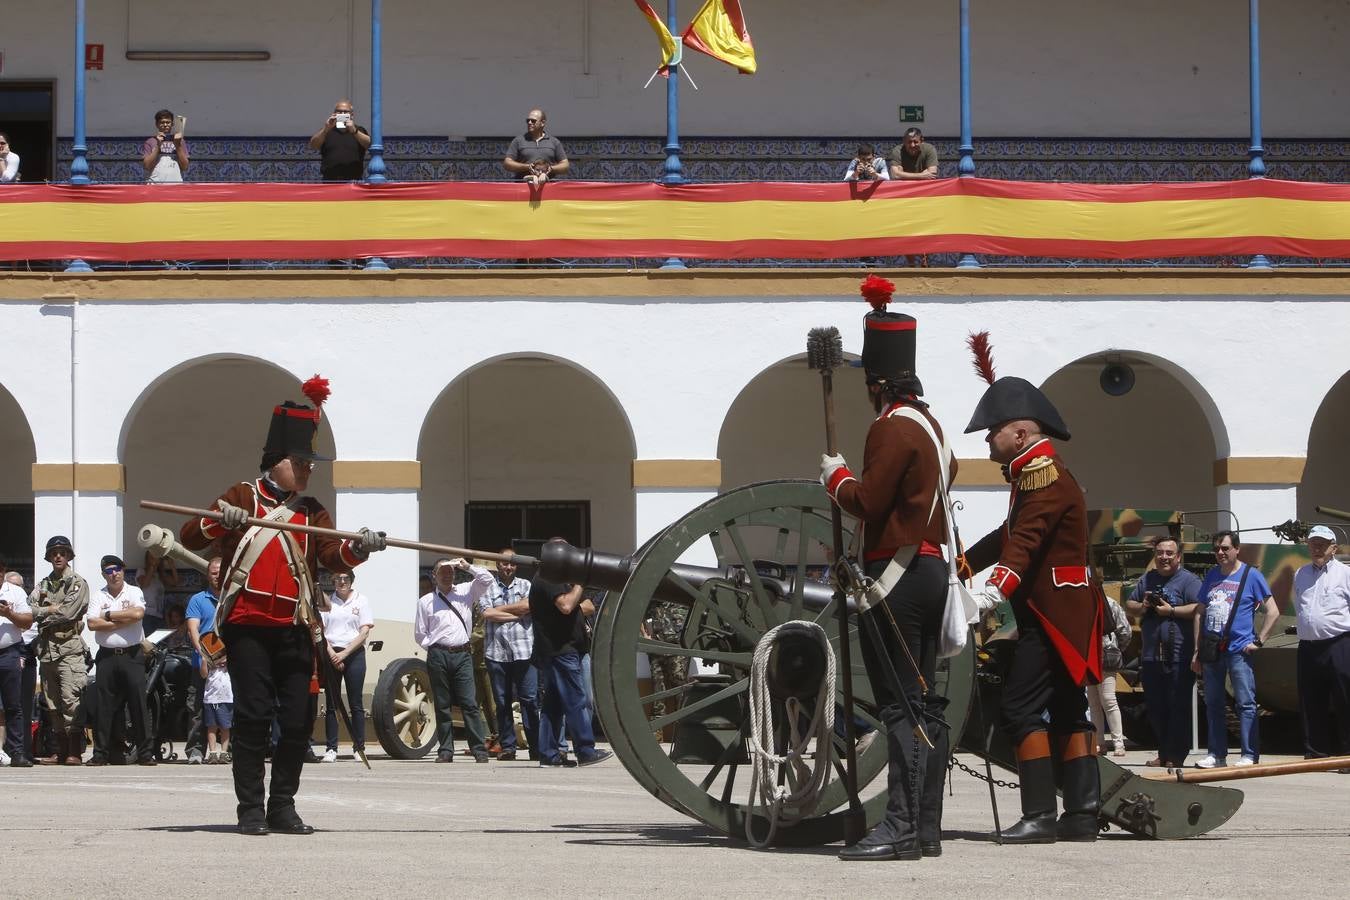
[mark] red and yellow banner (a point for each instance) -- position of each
(710, 221)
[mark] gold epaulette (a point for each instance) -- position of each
(1040, 472)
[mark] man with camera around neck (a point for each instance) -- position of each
(342, 145)
(1165, 600)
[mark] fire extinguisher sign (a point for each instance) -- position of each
(93, 56)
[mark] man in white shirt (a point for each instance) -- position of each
(1322, 608)
(15, 616)
(115, 614)
(443, 626)
(346, 623)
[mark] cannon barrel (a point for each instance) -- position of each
(1334, 513)
(560, 561)
(161, 542)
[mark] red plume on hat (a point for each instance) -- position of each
(877, 291)
(984, 359)
(316, 389)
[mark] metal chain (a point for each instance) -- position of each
(956, 763)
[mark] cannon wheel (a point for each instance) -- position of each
(402, 711)
(783, 522)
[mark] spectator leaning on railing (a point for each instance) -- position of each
(536, 156)
(913, 159)
(9, 161)
(867, 166)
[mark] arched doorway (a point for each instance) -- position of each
(17, 455)
(775, 428)
(1324, 474)
(199, 428)
(1152, 446)
(527, 447)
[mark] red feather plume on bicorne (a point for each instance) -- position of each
(984, 360)
(877, 291)
(316, 389)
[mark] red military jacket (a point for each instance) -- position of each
(1041, 552)
(894, 495)
(270, 593)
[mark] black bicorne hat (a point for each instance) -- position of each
(1011, 398)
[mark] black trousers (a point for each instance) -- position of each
(1037, 682)
(269, 668)
(196, 736)
(120, 678)
(11, 694)
(916, 602)
(1324, 695)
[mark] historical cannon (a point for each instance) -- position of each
(768, 542)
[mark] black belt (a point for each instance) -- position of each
(458, 648)
(120, 651)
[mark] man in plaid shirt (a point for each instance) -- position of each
(508, 643)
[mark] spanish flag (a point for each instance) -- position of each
(671, 51)
(719, 31)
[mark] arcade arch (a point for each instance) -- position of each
(200, 427)
(1324, 476)
(17, 455)
(1152, 447)
(529, 433)
(775, 427)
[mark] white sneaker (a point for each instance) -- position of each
(1209, 762)
(330, 756)
(4, 758)
(1245, 761)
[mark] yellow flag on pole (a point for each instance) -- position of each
(671, 51)
(719, 31)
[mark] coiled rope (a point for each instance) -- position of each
(802, 785)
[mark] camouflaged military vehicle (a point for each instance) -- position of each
(1121, 549)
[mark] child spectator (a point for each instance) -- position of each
(218, 712)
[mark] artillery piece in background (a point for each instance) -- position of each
(770, 543)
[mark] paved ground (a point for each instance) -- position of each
(514, 830)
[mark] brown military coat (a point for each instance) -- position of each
(1041, 556)
(894, 494)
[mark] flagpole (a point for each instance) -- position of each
(673, 172)
(966, 168)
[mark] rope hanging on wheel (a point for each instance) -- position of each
(783, 788)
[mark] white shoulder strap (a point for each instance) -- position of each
(944, 458)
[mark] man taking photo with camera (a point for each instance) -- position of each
(866, 166)
(1164, 601)
(342, 145)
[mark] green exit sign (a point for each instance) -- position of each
(911, 114)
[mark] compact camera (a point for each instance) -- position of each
(1156, 598)
(866, 171)
(342, 121)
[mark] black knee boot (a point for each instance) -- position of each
(1035, 771)
(896, 835)
(934, 777)
(1082, 790)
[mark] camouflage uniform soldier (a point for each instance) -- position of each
(59, 603)
(666, 624)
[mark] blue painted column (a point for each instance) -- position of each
(375, 166)
(966, 167)
(673, 172)
(79, 163)
(1256, 165)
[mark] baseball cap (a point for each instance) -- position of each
(1322, 531)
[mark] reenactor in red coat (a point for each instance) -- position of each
(1040, 567)
(897, 500)
(269, 597)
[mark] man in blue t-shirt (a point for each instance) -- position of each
(1165, 599)
(201, 620)
(1230, 593)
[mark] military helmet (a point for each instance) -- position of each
(60, 541)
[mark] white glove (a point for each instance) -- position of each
(231, 516)
(829, 465)
(371, 541)
(988, 598)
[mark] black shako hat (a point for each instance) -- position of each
(1011, 398)
(59, 540)
(294, 428)
(890, 339)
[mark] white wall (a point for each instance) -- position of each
(1041, 68)
(665, 375)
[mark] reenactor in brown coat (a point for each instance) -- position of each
(897, 499)
(1041, 569)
